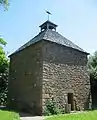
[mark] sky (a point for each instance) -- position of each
(76, 20)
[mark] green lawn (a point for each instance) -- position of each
(6, 115)
(90, 115)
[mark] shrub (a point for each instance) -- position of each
(51, 108)
(3, 88)
(4, 66)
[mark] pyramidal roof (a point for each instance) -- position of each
(48, 33)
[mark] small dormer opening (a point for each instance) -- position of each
(48, 25)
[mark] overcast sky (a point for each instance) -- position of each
(76, 20)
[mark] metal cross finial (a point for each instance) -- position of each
(48, 13)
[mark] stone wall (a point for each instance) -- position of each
(65, 71)
(25, 88)
(48, 70)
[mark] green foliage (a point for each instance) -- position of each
(92, 65)
(4, 63)
(4, 3)
(2, 42)
(3, 88)
(3, 58)
(51, 108)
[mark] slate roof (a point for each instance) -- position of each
(49, 23)
(52, 36)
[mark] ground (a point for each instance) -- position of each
(8, 115)
(33, 118)
(89, 115)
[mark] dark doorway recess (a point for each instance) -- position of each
(70, 100)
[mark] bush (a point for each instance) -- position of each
(3, 88)
(4, 66)
(51, 108)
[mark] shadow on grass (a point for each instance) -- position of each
(21, 113)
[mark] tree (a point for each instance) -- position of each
(4, 63)
(92, 65)
(4, 3)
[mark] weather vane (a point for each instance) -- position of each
(49, 13)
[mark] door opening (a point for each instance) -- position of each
(70, 100)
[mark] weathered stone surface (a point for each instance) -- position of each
(65, 71)
(70, 81)
(25, 80)
(47, 70)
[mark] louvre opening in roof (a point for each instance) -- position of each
(48, 25)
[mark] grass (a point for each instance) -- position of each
(89, 115)
(8, 115)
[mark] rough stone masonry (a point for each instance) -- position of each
(65, 71)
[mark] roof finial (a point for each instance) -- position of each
(49, 13)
